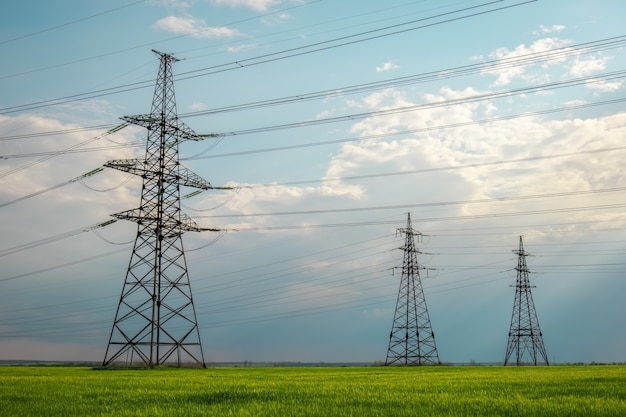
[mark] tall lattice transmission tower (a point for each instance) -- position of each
(411, 341)
(155, 322)
(525, 338)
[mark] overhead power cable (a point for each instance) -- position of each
(443, 103)
(79, 149)
(347, 40)
(54, 238)
(531, 58)
(106, 54)
(57, 132)
(444, 168)
(410, 131)
(63, 151)
(64, 265)
(290, 53)
(432, 204)
(54, 187)
(82, 19)
(449, 73)
(434, 219)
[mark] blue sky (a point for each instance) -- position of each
(501, 119)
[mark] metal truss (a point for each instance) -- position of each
(411, 341)
(525, 344)
(155, 322)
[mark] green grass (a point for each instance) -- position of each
(363, 391)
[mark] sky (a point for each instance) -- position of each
(486, 120)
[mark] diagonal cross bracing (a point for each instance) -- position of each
(155, 322)
(411, 341)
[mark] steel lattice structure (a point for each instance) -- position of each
(411, 341)
(155, 322)
(525, 338)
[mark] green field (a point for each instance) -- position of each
(359, 391)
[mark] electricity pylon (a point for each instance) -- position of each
(411, 341)
(155, 322)
(525, 338)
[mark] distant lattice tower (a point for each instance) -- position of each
(411, 341)
(525, 338)
(155, 322)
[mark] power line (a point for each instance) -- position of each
(449, 73)
(558, 53)
(445, 168)
(432, 204)
(82, 19)
(62, 152)
(77, 149)
(323, 46)
(261, 59)
(444, 103)
(145, 45)
(434, 219)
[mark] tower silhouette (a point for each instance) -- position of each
(411, 341)
(155, 322)
(525, 338)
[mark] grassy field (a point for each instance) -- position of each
(363, 391)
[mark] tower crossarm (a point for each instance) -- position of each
(172, 126)
(190, 179)
(183, 177)
(184, 223)
(133, 166)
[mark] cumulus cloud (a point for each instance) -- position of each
(257, 5)
(194, 27)
(507, 74)
(387, 66)
(605, 86)
(587, 65)
(173, 4)
(197, 106)
(549, 29)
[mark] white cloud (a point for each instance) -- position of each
(505, 75)
(257, 5)
(173, 4)
(377, 313)
(588, 65)
(194, 27)
(549, 29)
(238, 48)
(387, 66)
(197, 106)
(605, 86)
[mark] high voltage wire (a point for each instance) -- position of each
(262, 59)
(432, 204)
(434, 219)
(410, 131)
(139, 46)
(444, 103)
(272, 57)
(614, 75)
(274, 301)
(61, 236)
(62, 152)
(365, 176)
(526, 59)
(82, 19)
(447, 168)
(77, 148)
(353, 224)
(557, 53)
(269, 302)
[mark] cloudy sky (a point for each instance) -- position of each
(486, 120)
